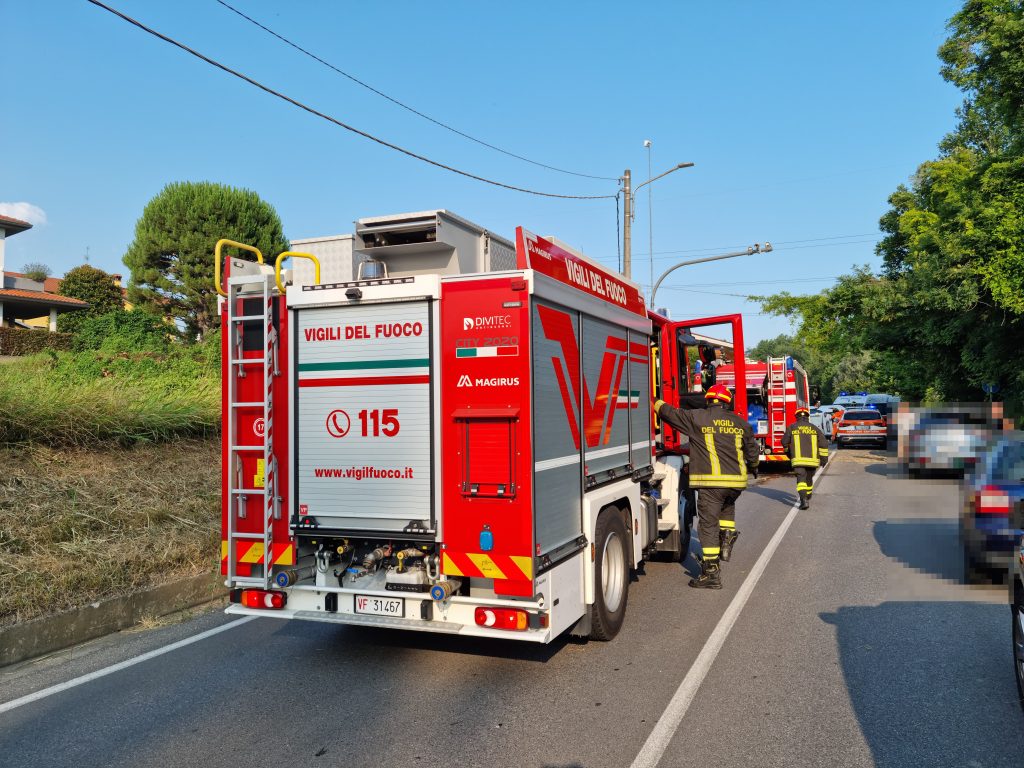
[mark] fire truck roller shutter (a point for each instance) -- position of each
(607, 400)
(558, 470)
(640, 400)
(364, 432)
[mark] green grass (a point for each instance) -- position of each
(67, 399)
(111, 473)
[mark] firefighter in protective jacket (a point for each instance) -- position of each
(807, 448)
(722, 454)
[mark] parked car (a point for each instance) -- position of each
(830, 415)
(990, 496)
(862, 425)
(946, 441)
(1017, 612)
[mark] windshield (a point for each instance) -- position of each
(862, 416)
(848, 400)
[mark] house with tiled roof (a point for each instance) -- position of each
(21, 297)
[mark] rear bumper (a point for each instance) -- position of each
(861, 437)
(992, 550)
(452, 617)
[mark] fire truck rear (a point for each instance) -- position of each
(775, 389)
(457, 440)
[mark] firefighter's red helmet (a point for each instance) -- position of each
(802, 412)
(718, 392)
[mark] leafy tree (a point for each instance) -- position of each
(984, 57)
(36, 271)
(171, 257)
(94, 286)
(946, 313)
(134, 331)
(778, 347)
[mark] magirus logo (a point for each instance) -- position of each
(494, 381)
(487, 323)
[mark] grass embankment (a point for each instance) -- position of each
(79, 524)
(110, 477)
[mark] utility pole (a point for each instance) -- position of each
(627, 225)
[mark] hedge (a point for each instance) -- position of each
(18, 341)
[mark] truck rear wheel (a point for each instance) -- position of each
(611, 575)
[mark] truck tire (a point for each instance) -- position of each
(611, 575)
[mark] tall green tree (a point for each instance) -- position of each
(945, 315)
(171, 257)
(94, 286)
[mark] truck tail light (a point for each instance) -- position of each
(263, 598)
(992, 500)
(502, 618)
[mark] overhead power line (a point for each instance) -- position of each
(334, 120)
(403, 105)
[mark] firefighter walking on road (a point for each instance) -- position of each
(722, 454)
(807, 448)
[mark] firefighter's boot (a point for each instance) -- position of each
(709, 578)
(804, 502)
(726, 540)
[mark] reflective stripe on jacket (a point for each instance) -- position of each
(805, 444)
(722, 445)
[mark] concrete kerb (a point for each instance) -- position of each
(53, 633)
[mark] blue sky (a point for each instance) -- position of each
(801, 117)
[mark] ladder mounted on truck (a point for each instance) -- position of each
(255, 538)
(241, 294)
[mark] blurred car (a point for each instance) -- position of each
(830, 416)
(945, 442)
(991, 497)
(1017, 612)
(862, 425)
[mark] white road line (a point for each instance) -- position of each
(14, 704)
(654, 748)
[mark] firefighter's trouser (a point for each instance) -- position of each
(716, 510)
(804, 477)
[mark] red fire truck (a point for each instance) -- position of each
(459, 439)
(775, 389)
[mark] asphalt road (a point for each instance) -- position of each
(857, 647)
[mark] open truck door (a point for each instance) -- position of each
(676, 376)
(674, 352)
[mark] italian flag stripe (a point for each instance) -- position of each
(487, 351)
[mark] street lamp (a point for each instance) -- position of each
(627, 227)
(750, 251)
(650, 214)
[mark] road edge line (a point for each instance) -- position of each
(45, 692)
(661, 736)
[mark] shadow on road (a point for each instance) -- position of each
(376, 642)
(885, 470)
(775, 494)
(932, 683)
(928, 545)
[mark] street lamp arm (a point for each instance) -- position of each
(660, 175)
(750, 250)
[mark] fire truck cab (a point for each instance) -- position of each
(458, 439)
